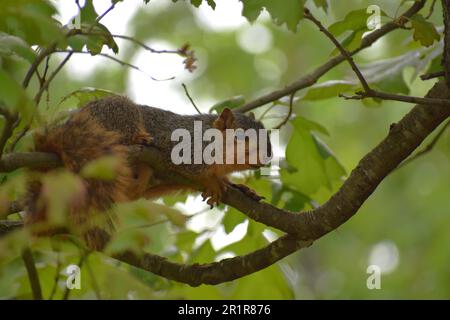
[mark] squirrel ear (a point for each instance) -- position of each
(252, 115)
(225, 120)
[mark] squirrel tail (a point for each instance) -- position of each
(78, 141)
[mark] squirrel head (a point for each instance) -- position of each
(243, 132)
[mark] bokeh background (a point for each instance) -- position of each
(403, 227)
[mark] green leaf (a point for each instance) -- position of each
(351, 42)
(185, 240)
(197, 3)
(424, 31)
(87, 94)
(14, 97)
(281, 11)
(354, 21)
(328, 89)
(15, 46)
(104, 168)
(231, 219)
(394, 84)
(60, 190)
(232, 103)
(88, 13)
(316, 166)
(296, 201)
(322, 4)
(204, 254)
(30, 20)
(387, 74)
(94, 43)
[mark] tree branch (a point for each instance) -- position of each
(311, 78)
(446, 53)
(33, 276)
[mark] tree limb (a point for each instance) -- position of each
(311, 78)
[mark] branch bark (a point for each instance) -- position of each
(446, 53)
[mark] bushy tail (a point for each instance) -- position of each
(77, 142)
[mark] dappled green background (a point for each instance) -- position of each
(403, 227)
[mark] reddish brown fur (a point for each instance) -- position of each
(77, 142)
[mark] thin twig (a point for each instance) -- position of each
(17, 138)
(369, 92)
(312, 77)
(121, 62)
(44, 53)
(265, 112)
(341, 49)
(428, 148)
(143, 45)
(56, 249)
(288, 116)
(44, 87)
(432, 75)
(397, 97)
(190, 98)
(100, 17)
(33, 275)
(431, 10)
(8, 127)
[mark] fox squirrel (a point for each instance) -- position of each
(108, 127)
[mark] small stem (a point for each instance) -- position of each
(190, 98)
(33, 276)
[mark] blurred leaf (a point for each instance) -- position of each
(285, 11)
(85, 95)
(388, 73)
(204, 254)
(394, 84)
(30, 20)
(328, 89)
(133, 240)
(351, 42)
(231, 103)
(60, 191)
(185, 240)
(296, 200)
(15, 97)
(354, 21)
(231, 219)
(316, 165)
(196, 3)
(175, 216)
(15, 46)
(145, 213)
(104, 168)
(424, 31)
(322, 4)
(255, 286)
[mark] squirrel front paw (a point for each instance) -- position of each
(213, 192)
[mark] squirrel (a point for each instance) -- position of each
(109, 126)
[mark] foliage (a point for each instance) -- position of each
(322, 142)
